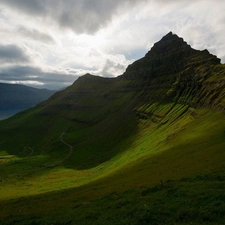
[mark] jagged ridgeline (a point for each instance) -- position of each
(173, 71)
(170, 101)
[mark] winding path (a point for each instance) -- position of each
(24, 150)
(51, 165)
(71, 151)
(32, 151)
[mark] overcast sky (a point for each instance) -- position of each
(49, 43)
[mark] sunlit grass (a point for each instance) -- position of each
(160, 151)
(156, 143)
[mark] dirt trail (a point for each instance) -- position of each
(32, 151)
(71, 151)
(24, 150)
(48, 166)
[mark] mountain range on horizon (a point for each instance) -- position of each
(17, 97)
(148, 141)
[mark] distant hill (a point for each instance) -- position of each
(16, 96)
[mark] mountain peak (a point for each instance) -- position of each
(170, 42)
(89, 78)
(170, 35)
(170, 55)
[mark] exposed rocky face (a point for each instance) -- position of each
(169, 56)
(173, 71)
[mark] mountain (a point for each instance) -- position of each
(187, 76)
(171, 71)
(16, 96)
(145, 147)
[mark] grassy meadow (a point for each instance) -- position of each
(165, 165)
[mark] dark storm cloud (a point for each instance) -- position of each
(82, 16)
(11, 73)
(35, 35)
(32, 7)
(12, 54)
(50, 79)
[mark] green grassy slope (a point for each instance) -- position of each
(175, 152)
(196, 200)
(162, 121)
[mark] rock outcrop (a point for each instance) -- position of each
(173, 71)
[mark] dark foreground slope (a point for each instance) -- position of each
(134, 140)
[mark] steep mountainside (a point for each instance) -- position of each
(171, 71)
(171, 78)
(16, 96)
(184, 75)
(162, 120)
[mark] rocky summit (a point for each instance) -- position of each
(183, 74)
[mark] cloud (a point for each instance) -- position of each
(12, 54)
(111, 68)
(82, 16)
(32, 7)
(36, 35)
(52, 42)
(51, 78)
